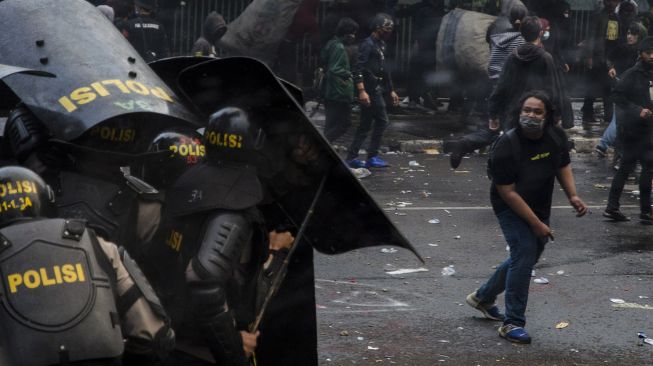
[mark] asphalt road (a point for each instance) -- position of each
(369, 317)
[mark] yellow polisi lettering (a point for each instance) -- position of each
(83, 95)
(100, 89)
(137, 87)
(118, 84)
(67, 104)
(161, 94)
(57, 275)
(14, 280)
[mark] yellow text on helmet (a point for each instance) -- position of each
(41, 277)
(221, 139)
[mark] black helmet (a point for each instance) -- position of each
(382, 20)
(23, 194)
(184, 148)
(232, 136)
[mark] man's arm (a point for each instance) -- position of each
(509, 195)
(566, 180)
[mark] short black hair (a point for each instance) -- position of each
(531, 28)
(517, 13)
(346, 26)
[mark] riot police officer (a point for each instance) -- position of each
(214, 247)
(68, 296)
(147, 34)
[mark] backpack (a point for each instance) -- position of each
(515, 147)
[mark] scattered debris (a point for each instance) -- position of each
(372, 348)
(641, 336)
(618, 301)
(434, 221)
(541, 280)
(448, 270)
(407, 270)
(388, 250)
(562, 325)
(360, 173)
(560, 272)
(457, 237)
(432, 245)
(431, 151)
(413, 163)
(643, 297)
(360, 338)
(344, 333)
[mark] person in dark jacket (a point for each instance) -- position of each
(372, 81)
(632, 96)
(502, 45)
(604, 37)
(214, 28)
(147, 34)
(529, 67)
(339, 93)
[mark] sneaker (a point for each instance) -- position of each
(491, 311)
(376, 162)
(455, 150)
(601, 151)
(646, 218)
(514, 334)
(615, 215)
(356, 163)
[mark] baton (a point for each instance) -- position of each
(281, 274)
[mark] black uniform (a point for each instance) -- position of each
(148, 37)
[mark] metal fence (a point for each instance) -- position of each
(187, 20)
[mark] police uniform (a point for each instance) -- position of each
(68, 297)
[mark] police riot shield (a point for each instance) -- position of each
(99, 75)
(7, 99)
(249, 84)
(345, 217)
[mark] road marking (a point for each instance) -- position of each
(632, 305)
(461, 208)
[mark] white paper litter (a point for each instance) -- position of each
(618, 301)
(407, 270)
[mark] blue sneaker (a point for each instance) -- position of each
(490, 311)
(514, 334)
(376, 162)
(356, 163)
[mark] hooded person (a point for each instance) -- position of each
(213, 29)
(529, 67)
(502, 44)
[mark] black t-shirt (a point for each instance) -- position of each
(539, 160)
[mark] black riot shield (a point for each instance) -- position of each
(8, 99)
(99, 75)
(345, 216)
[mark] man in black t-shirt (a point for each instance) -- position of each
(523, 172)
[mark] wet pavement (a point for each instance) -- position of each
(598, 274)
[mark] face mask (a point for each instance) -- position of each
(349, 39)
(531, 125)
(546, 35)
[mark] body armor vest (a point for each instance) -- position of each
(109, 207)
(58, 301)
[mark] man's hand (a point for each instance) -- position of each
(493, 124)
(645, 113)
(249, 342)
(305, 152)
(612, 73)
(578, 205)
(565, 68)
(542, 230)
(363, 98)
(280, 240)
(395, 98)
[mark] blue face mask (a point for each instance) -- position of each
(531, 125)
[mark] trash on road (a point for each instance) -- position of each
(541, 280)
(448, 270)
(618, 301)
(560, 272)
(388, 250)
(407, 270)
(432, 245)
(344, 333)
(434, 221)
(360, 338)
(431, 151)
(457, 237)
(641, 336)
(372, 348)
(643, 297)
(648, 341)
(360, 173)
(562, 325)
(413, 163)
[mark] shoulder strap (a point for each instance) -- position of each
(515, 145)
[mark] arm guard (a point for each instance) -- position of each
(225, 236)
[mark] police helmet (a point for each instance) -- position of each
(382, 20)
(184, 149)
(23, 194)
(232, 136)
(24, 133)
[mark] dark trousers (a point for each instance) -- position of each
(599, 84)
(375, 118)
(337, 119)
(632, 153)
(478, 139)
